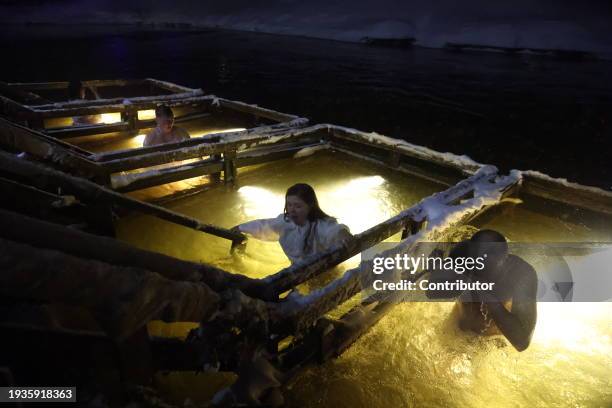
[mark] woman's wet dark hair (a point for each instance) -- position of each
(307, 194)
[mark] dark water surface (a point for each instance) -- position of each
(525, 112)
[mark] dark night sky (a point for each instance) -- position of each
(544, 23)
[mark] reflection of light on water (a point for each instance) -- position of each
(359, 203)
(146, 114)
(261, 203)
(138, 140)
(108, 118)
(574, 326)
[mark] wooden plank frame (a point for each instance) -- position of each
(34, 115)
(82, 162)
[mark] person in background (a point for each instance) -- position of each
(303, 229)
(165, 131)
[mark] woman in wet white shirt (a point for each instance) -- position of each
(303, 229)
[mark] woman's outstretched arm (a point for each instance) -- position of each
(267, 229)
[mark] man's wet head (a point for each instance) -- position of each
(492, 246)
(164, 117)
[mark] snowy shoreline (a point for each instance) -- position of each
(486, 38)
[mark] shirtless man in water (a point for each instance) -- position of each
(510, 307)
(165, 131)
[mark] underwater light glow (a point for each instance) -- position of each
(146, 114)
(138, 140)
(259, 202)
(108, 118)
(360, 203)
(574, 326)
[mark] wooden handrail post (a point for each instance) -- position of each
(229, 166)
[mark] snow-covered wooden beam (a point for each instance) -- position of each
(139, 151)
(176, 88)
(254, 110)
(136, 181)
(235, 141)
(568, 193)
(462, 164)
(535, 183)
(194, 97)
(99, 106)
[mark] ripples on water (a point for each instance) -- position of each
(416, 356)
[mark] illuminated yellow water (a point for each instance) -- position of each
(415, 356)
